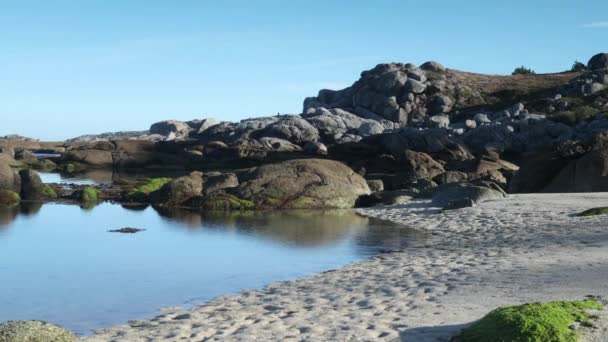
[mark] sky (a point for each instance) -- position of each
(91, 66)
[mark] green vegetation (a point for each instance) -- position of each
(578, 66)
(533, 322)
(522, 70)
(89, 195)
(48, 191)
(9, 198)
(594, 212)
(144, 187)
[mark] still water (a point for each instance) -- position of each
(59, 263)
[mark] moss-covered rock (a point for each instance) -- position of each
(144, 187)
(594, 212)
(48, 191)
(9, 198)
(34, 331)
(533, 322)
(179, 190)
(87, 195)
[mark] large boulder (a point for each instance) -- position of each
(448, 194)
(179, 190)
(588, 173)
(96, 158)
(302, 184)
(32, 187)
(599, 61)
(169, 127)
(34, 331)
(9, 179)
(536, 172)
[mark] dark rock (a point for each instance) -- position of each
(459, 204)
(126, 230)
(32, 187)
(315, 148)
(588, 173)
(599, 61)
(447, 193)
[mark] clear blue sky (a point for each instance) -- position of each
(91, 66)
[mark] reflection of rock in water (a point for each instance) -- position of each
(7, 215)
(295, 227)
(30, 208)
(387, 236)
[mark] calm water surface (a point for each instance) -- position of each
(59, 262)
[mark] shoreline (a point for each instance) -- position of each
(525, 248)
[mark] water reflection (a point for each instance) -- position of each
(104, 176)
(301, 228)
(93, 278)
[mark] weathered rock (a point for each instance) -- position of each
(375, 185)
(599, 61)
(419, 165)
(289, 127)
(206, 124)
(179, 190)
(9, 179)
(32, 187)
(536, 172)
(301, 184)
(167, 127)
(220, 181)
(394, 197)
(441, 104)
(588, 173)
(439, 121)
(459, 204)
(96, 158)
(34, 331)
(25, 156)
(414, 86)
(447, 193)
(433, 66)
(315, 148)
(451, 177)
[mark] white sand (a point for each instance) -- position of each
(526, 248)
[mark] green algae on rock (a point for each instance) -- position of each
(532, 322)
(9, 198)
(594, 212)
(34, 331)
(144, 187)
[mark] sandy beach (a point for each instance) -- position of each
(525, 248)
